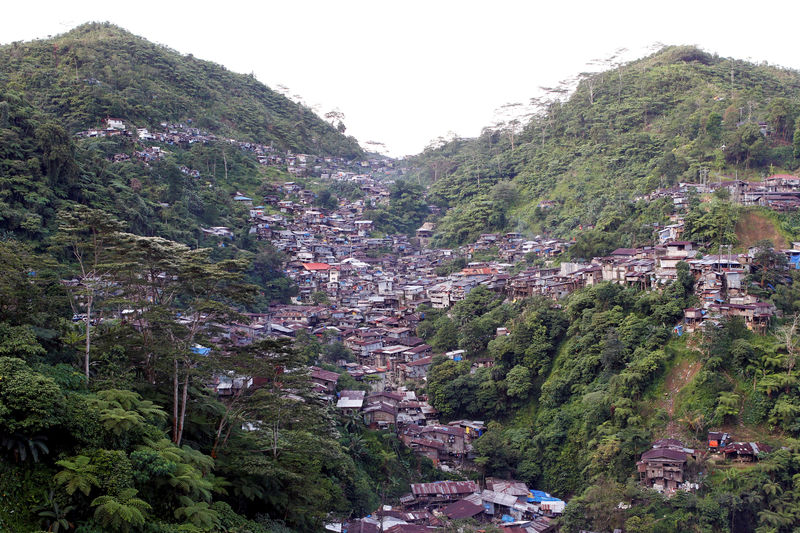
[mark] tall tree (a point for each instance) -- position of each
(175, 293)
(88, 234)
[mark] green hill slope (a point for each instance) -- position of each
(648, 123)
(99, 70)
(50, 89)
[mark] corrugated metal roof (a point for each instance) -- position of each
(444, 487)
(498, 498)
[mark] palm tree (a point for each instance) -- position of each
(121, 512)
(53, 515)
(22, 446)
(78, 474)
(357, 447)
(352, 422)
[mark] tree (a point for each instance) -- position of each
(30, 403)
(176, 294)
(727, 406)
(78, 475)
(121, 512)
(30, 290)
(58, 153)
(787, 334)
(504, 194)
(53, 515)
(199, 514)
(518, 381)
(320, 298)
(89, 234)
(768, 264)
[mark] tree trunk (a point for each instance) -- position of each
(222, 423)
(175, 402)
(184, 400)
(89, 301)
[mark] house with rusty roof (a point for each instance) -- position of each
(324, 379)
(441, 492)
(745, 452)
(663, 466)
(463, 509)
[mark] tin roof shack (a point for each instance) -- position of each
(693, 318)
(463, 509)
(380, 415)
(512, 487)
(453, 438)
(324, 379)
(538, 525)
(441, 492)
(429, 448)
(350, 401)
(497, 503)
(745, 452)
(717, 440)
(662, 468)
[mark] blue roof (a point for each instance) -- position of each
(201, 350)
(507, 518)
(541, 496)
(243, 198)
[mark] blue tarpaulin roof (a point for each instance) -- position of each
(541, 496)
(200, 350)
(507, 518)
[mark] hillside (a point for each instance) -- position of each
(171, 184)
(99, 70)
(642, 125)
(176, 357)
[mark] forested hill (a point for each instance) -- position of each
(622, 132)
(99, 70)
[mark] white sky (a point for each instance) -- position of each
(406, 72)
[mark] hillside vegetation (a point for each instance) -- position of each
(646, 124)
(99, 70)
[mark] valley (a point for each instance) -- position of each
(219, 313)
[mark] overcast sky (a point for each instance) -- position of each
(404, 73)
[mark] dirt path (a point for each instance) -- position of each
(680, 376)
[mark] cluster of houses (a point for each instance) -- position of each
(185, 135)
(509, 504)
(780, 192)
(367, 292)
(664, 466)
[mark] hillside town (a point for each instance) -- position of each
(370, 291)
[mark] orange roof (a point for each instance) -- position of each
(478, 271)
(316, 266)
